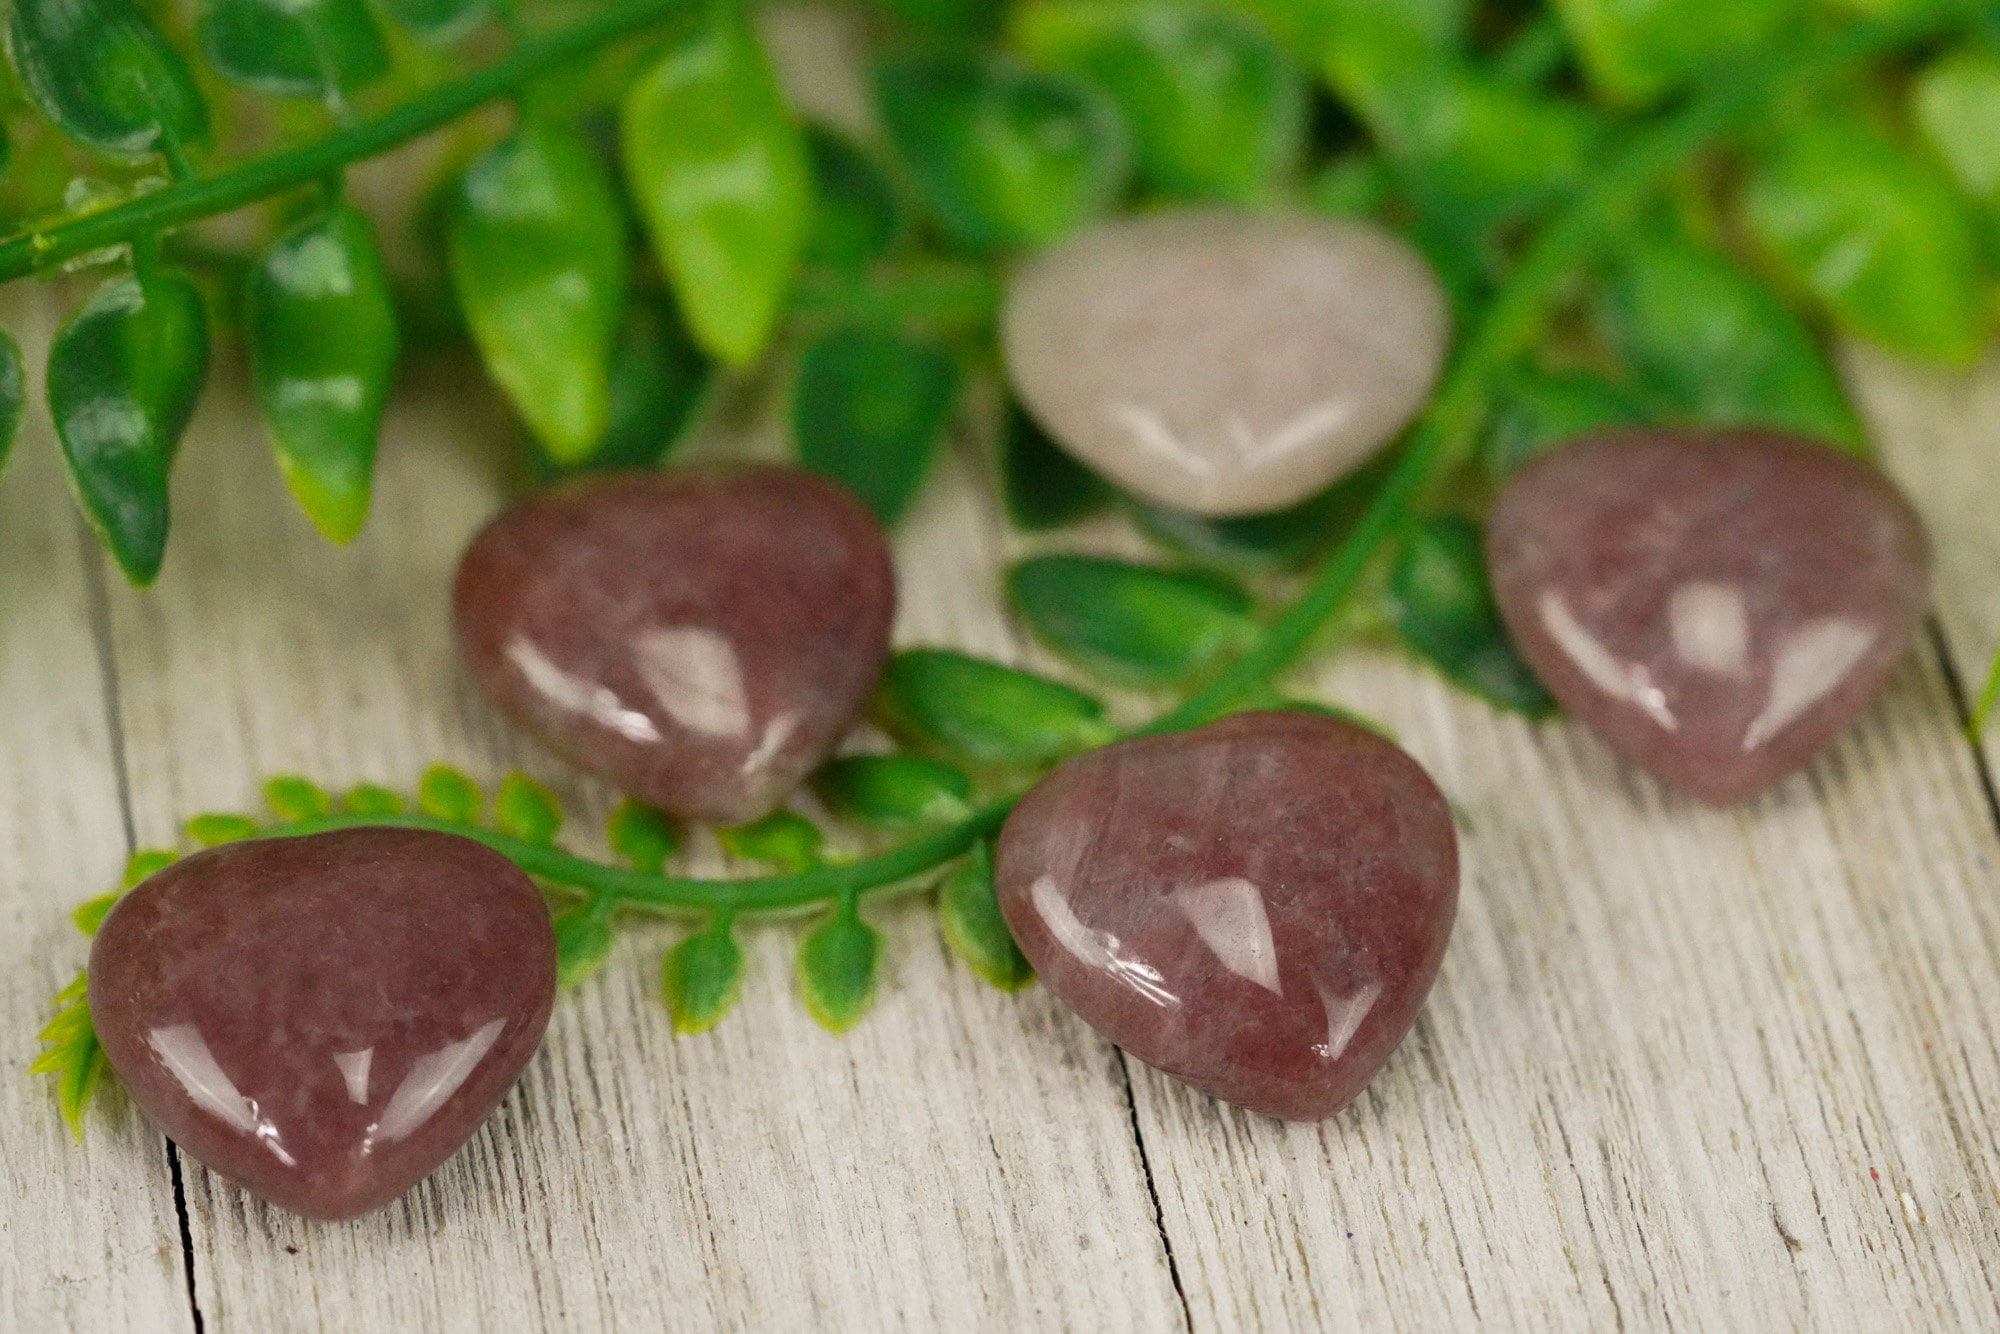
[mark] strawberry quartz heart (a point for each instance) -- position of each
(1718, 605)
(1257, 907)
(701, 638)
(325, 1019)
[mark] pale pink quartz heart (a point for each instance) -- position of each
(1718, 605)
(1224, 363)
(325, 1019)
(1257, 907)
(702, 638)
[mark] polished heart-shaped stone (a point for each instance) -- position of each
(701, 638)
(1718, 605)
(1223, 363)
(1257, 907)
(325, 1019)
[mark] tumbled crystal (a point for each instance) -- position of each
(1223, 363)
(702, 638)
(325, 1019)
(1718, 605)
(1257, 907)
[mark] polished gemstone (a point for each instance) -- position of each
(702, 638)
(1222, 363)
(1257, 907)
(325, 1019)
(1718, 605)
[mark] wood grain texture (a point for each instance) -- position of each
(88, 1235)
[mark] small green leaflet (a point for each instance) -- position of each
(723, 182)
(836, 967)
(218, 827)
(444, 793)
(894, 791)
(659, 384)
(71, 1054)
(1278, 540)
(1042, 485)
(858, 216)
(1355, 184)
(101, 71)
(1878, 235)
(784, 839)
(13, 392)
(1534, 410)
(985, 713)
(1707, 341)
(1956, 103)
(293, 798)
(583, 941)
(969, 914)
(90, 914)
(702, 977)
(1217, 109)
(641, 835)
(1639, 50)
(145, 863)
(1003, 156)
(526, 810)
(1132, 623)
(1442, 603)
(314, 48)
(371, 799)
(870, 410)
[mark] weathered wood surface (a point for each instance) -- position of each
(1729, 1070)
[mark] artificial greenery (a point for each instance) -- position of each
(1643, 211)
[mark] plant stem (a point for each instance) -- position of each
(1508, 329)
(286, 169)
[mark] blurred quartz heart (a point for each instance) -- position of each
(325, 1019)
(701, 638)
(1224, 363)
(1719, 605)
(1257, 907)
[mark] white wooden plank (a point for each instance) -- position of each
(88, 1236)
(1710, 1069)
(963, 1159)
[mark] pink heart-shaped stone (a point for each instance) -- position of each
(701, 638)
(325, 1019)
(1718, 605)
(1257, 907)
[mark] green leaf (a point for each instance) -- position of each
(321, 327)
(857, 214)
(146, 863)
(438, 20)
(526, 810)
(13, 393)
(870, 410)
(1217, 109)
(894, 791)
(315, 48)
(969, 913)
(987, 713)
(1536, 410)
(1877, 235)
(1442, 602)
(1639, 50)
(583, 941)
(444, 793)
(1042, 485)
(1956, 101)
(641, 835)
(837, 963)
(294, 798)
(1356, 184)
(124, 372)
(1279, 540)
(1132, 623)
(784, 839)
(90, 914)
(1708, 341)
(659, 384)
(702, 977)
(71, 1054)
(106, 76)
(219, 827)
(538, 258)
(371, 799)
(723, 181)
(1002, 156)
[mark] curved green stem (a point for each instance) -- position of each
(1509, 328)
(286, 169)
